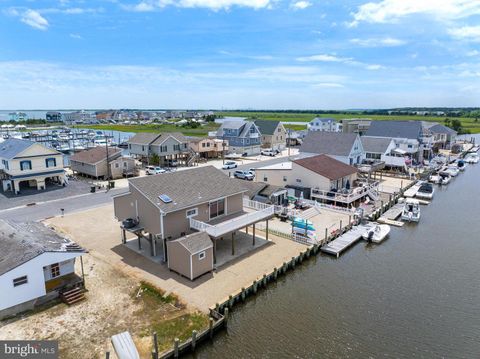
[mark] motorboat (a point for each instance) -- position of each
(452, 170)
(376, 233)
(445, 177)
(411, 210)
(471, 158)
(425, 191)
(435, 178)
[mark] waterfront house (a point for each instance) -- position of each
(170, 206)
(345, 147)
(95, 162)
(382, 149)
(411, 137)
(27, 164)
(324, 124)
(273, 134)
(208, 147)
(321, 178)
(243, 137)
(169, 147)
(37, 265)
(443, 137)
(356, 125)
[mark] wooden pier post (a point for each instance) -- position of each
(243, 294)
(194, 339)
(225, 317)
(176, 343)
(210, 327)
(155, 346)
(340, 230)
(326, 235)
(230, 301)
(255, 286)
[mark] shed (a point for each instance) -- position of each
(191, 255)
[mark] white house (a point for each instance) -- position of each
(37, 265)
(344, 147)
(384, 149)
(29, 164)
(324, 124)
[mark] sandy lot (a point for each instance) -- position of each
(84, 329)
(99, 232)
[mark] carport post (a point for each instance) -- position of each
(253, 241)
(266, 229)
(124, 236)
(233, 243)
(214, 251)
(246, 229)
(152, 250)
(139, 242)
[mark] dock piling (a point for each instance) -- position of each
(194, 339)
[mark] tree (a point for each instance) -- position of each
(447, 122)
(154, 159)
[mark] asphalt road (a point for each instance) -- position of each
(52, 208)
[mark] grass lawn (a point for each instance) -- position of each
(198, 132)
(467, 123)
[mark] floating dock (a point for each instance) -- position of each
(390, 216)
(337, 246)
(412, 191)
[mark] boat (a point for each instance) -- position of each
(445, 177)
(376, 233)
(435, 178)
(471, 158)
(303, 227)
(452, 170)
(411, 210)
(425, 191)
(461, 165)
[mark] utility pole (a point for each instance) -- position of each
(223, 147)
(108, 161)
(288, 141)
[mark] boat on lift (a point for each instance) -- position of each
(425, 191)
(411, 210)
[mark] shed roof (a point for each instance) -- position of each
(21, 242)
(267, 127)
(187, 188)
(395, 129)
(375, 144)
(195, 242)
(95, 155)
(13, 146)
(330, 143)
(326, 166)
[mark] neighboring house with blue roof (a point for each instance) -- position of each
(29, 164)
(324, 124)
(243, 136)
(411, 138)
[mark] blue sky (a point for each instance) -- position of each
(259, 54)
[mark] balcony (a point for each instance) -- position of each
(347, 196)
(254, 135)
(255, 212)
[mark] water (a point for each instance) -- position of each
(417, 295)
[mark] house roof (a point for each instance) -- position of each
(95, 154)
(187, 188)
(330, 143)
(21, 242)
(438, 128)
(252, 187)
(326, 166)
(243, 126)
(375, 144)
(267, 127)
(143, 138)
(195, 242)
(324, 119)
(13, 146)
(233, 124)
(176, 135)
(196, 139)
(395, 129)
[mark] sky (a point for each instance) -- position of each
(239, 54)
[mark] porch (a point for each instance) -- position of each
(346, 196)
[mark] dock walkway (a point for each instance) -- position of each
(337, 246)
(412, 191)
(390, 216)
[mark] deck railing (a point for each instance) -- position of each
(348, 198)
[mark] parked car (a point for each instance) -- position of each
(229, 164)
(246, 175)
(152, 170)
(269, 153)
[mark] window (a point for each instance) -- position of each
(25, 165)
(284, 178)
(176, 147)
(51, 162)
(201, 255)
(163, 149)
(5, 163)
(299, 180)
(20, 280)
(117, 165)
(203, 144)
(143, 148)
(265, 179)
(217, 208)
(252, 129)
(55, 270)
(410, 146)
(192, 212)
(125, 164)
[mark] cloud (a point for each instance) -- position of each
(378, 42)
(34, 19)
(323, 58)
(152, 5)
(469, 33)
(76, 36)
(374, 67)
(300, 5)
(328, 85)
(387, 11)
(473, 53)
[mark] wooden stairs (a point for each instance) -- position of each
(73, 295)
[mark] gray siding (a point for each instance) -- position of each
(178, 258)
(202, 266)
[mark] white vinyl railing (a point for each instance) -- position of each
(352, 196)
(258, 206)
(236, 223)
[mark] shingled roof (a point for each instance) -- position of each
(195, 242)
(396, 129)
(326, 166)
(176, 135)
(267, 127)
(330, 143)
(21, 242)
(13, 146)
(375, 144)
(187, 188)
(438, 128)
(143, 138)
(95, 155)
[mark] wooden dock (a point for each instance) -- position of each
(412, 191)
(390, 216)
(337, 246)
